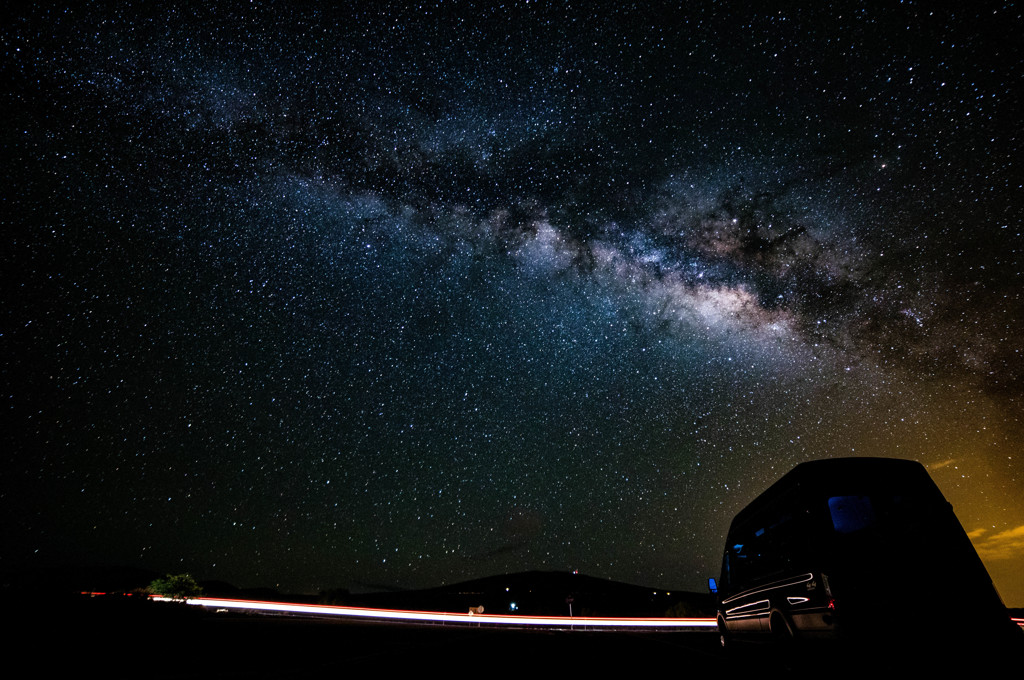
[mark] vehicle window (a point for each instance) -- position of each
(851, 513)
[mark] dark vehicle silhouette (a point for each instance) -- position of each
(855, 549)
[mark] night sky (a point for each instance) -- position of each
(391, 297)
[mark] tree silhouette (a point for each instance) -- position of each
(176, 586)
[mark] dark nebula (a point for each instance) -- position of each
(409, 295)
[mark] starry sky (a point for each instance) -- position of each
(397, 295)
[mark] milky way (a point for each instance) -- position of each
(397, 297)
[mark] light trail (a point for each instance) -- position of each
(588, 622)
(692, 623)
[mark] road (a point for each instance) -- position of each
(476, 619)
(154, 640)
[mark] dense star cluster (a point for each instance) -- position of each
(404, 294)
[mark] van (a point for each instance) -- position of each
(854, 548)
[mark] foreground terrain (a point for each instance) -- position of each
(117, 638)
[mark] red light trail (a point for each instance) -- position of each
(589, 622)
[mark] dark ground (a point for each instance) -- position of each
(118, 638)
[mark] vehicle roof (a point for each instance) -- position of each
(836, 473)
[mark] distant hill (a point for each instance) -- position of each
(541, 593)
(62, 581)
(538, 593)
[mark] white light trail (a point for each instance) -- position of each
(451, 617)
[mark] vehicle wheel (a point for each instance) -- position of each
(780, 629)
